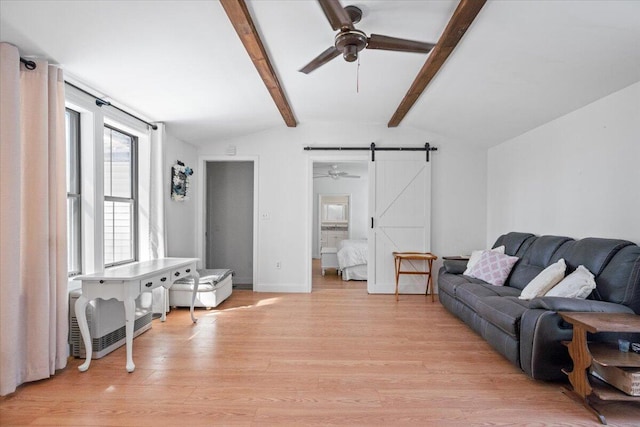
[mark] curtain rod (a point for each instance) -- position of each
(31, 65)
(427, 148)
(101, 102)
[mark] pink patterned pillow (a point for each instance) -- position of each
(493, 267)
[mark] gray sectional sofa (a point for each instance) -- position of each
(529, 332)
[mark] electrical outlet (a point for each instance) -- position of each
(265, 216)
(278, 265)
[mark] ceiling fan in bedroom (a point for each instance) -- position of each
(334, 173)
(349, 41)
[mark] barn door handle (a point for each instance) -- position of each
(371, 222)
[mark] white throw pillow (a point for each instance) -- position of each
(545, 280)
(578, 284)
(475, 257)
(493, 267)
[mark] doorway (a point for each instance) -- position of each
(230, 219)
(340, 212)
(396, 216)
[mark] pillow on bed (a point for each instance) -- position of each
(493, 267)
(475, 257)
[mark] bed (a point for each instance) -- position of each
(352, 259)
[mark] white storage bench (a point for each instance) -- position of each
(329, 259)
(214, 287)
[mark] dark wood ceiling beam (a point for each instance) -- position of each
(240, 18)
(462, 18)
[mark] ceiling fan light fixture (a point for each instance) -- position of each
(350, 53)
(350, 42)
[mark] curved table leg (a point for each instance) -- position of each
(130, 318)
(81, 315)
(581, 356)
(196, 282)
(163, 315)
(579, 352)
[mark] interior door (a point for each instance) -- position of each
(400, 211)
(229, 219)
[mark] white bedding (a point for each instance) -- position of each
(351, 254)
(357, 272)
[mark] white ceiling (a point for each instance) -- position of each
(521, 64)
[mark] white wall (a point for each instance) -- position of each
(180, 216)
(285, 193)
(577, 176)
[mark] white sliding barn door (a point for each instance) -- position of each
(400, 208)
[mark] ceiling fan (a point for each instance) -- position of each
(349, 41)
(334, 173)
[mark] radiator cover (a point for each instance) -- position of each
(106, 325)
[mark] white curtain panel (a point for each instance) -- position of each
(33, 259)
(157, 225)
(158, 183)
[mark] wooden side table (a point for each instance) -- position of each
(428, 257)
(582, 357)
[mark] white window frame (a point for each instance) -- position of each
(74, 169)
(92, 121)
(132, 201)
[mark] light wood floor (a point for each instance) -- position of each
(331, 280)
(337, 356)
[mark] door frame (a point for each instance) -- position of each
(338, 158)
(201, 207)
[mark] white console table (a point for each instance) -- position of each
(125, 283)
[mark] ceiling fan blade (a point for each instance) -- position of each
(335, 13)
(320, 60)
(376, 41)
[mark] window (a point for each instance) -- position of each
(120, 207)
(74, 241)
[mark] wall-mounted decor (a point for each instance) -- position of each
(180, 181)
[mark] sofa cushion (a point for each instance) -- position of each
(578, 284)
(574, 304)
(471, 293)
(536, 258)
(449, 283)
(593, 253)
(502, 312)
(493, 267)
(515, 243)
(543, 282)
(619, 281)
(614, 263)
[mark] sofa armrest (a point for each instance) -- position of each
(575, 304)
(455, 266)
